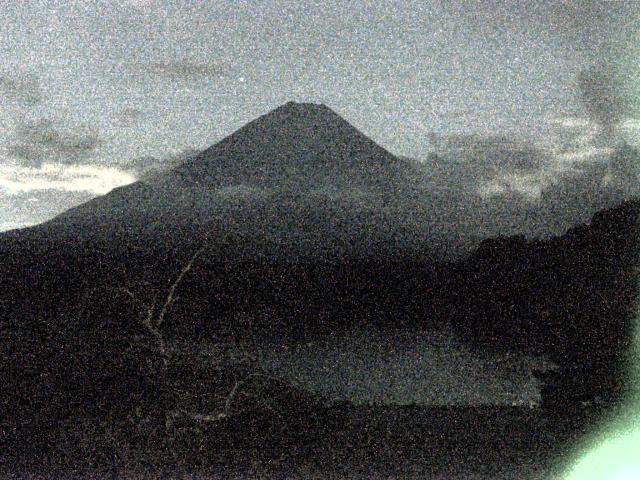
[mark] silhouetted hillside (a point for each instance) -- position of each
(571, 298)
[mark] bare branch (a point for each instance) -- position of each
(209, 417)
(198, 417)
(231, 397)
(152, 314)
(170, 295)
(147, 322)
(128, 293)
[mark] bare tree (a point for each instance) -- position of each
(153, 313)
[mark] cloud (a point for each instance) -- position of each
(181, 70)
(22, 209)
(624, 170)
(603, 94)
(42, 141)
(467, 168)
(148, 168)
(570, 122)
(497, 185)
(574, 196)
(128, 116)
(587, 153)
(12, 225)
(486, 156)
(21, 88)
(92, 179)
(528, 186)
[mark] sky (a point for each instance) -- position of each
(530, 99)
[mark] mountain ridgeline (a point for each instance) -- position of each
(299, 145)
(572, 298)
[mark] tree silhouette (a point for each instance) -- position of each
(137, 369)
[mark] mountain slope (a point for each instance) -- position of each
(299, 181)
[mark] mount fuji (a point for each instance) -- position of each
(297, 182)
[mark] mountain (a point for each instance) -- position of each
(298, 211)
(298, 182)
(304, 213)
(300, 145)
(302, 184)
(301, 217)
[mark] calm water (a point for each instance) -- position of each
(404, 368)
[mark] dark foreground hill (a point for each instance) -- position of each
(78, 365)
(342, 441)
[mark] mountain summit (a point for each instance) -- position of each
(303, 140)
(299, 177)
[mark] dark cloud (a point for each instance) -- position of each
(603, 96)
(571, 197)
(129, 116)
(461, 164)
(568, 196)
(624, 167)
(22, 88)
(148, 168)
(43, 141)
(181, 70)
(493, 154)
(574, 197)
(582, 21)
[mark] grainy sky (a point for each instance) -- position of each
(96, 94)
